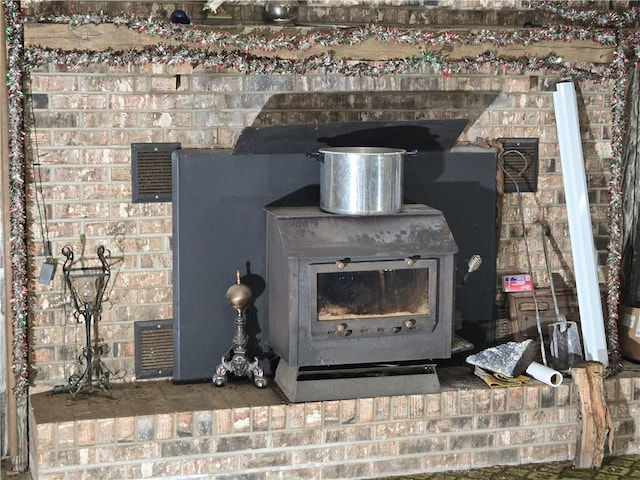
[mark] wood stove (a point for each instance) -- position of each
(351, 297)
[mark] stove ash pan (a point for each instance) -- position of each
(359, 289)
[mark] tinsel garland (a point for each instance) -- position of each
(234, 55)
(595, 19)
(17, 200)
(327, 62)
(616, 182)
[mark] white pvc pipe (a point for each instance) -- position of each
(544, 374)
(580, 228)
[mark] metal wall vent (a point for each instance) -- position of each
(520, 162)
(154, 348)
(151, 171)
(503, 328)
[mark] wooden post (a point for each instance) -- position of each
(11, 422)
(596, 423)
(17, 406)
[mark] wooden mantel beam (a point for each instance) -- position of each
(108, 36)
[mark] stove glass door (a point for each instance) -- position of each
(374, 297)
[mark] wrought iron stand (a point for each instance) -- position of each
(87, 286)
(239, 297)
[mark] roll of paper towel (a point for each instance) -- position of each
(544, 374)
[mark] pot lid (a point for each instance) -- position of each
(364, 150)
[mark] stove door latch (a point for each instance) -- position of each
(344, 328)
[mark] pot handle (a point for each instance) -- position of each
(412, 153)
(317, 155)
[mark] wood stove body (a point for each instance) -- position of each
(356, 292)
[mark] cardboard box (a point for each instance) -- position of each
(629, 331)
(522, 313)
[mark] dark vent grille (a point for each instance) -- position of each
(503, 330)
(154, 348)
(151, 171)
(520, 162)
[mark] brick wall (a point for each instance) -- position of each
(461, 428)
(85, 119)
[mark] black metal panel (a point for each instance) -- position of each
(631, 270)
(462, 184)
(219, 228)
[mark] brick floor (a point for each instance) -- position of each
(613, 468)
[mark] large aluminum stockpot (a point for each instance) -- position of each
(361, 180)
